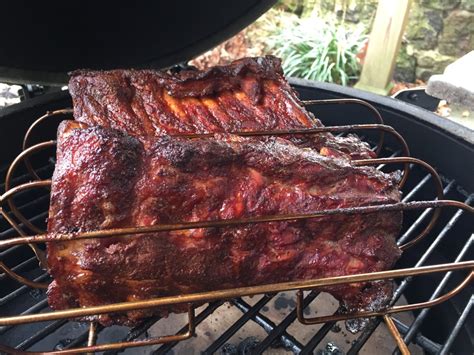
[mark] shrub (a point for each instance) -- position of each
(315, 49)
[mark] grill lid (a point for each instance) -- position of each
(45, 40)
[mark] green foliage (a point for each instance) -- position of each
(315, 49)
(294, 6)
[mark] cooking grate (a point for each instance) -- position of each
(23, 300)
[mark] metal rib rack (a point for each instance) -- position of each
(436, 225)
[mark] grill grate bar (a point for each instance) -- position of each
(21, 266)
(22, 289)
(417, 188)
(29, 204)
(427, 344)
(20, 194)
(393, 155)
(34, 202)
(237, 325)
(457, 328)
(441, 236)
(26, 177)
(5, 252)
(275, 333)
(33, 309)
(3, 169)
(424, 313)
(367, 332)
(7, 233)
(289, 341)
(198, 320)
(79, 340)
(41, 334)
(135, 332)
(317, 338)
(413, 226)
(421, 218)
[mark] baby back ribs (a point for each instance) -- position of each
(247, 95)
(105, 179)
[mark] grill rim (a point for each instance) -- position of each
(456, 140)
(452, 128)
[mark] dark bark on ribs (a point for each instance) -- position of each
(107, 179)
(247, 95)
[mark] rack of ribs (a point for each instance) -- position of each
(247, 95)
(105, 178)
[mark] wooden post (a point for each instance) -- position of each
(384, 44)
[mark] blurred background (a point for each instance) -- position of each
(334, 35)
(326, 40)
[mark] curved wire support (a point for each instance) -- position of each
(91, 348)
(40, 254)
(190, 299)
(310, 131)
(26, 186)
(8, 179)
(22, 279)
(239, 292)
(438, 190)
(306, 285)
(376, 113)
(390, 310)
(23, 157)
(92, 336)
(406, 152)
(68, 111)
(221, 223)
(207, 224)
(392, 328)
(32, 128)
(346, 101)
(123, 232)
(243, 291)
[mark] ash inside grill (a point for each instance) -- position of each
(266, 322)
(257, 320)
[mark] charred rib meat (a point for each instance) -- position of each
(105, 178)
(247, 95)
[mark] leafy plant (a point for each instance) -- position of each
(315, 49)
